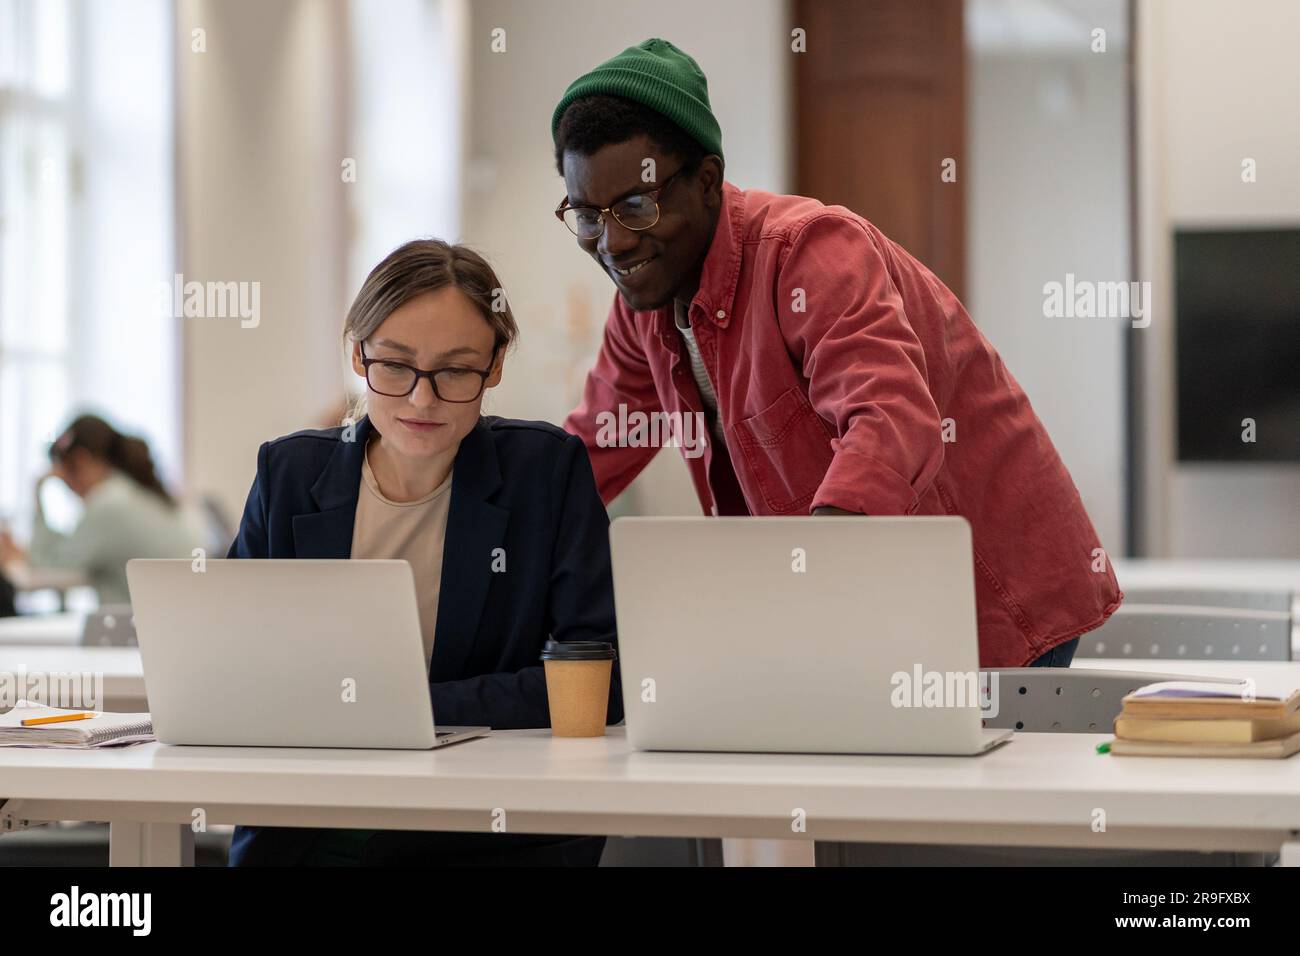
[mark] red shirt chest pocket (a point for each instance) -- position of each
(786, 450)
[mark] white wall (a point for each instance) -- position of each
(1047, 195)
(559, 296)
(1217, 82)
(261, 201)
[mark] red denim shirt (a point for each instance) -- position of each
(847, 374)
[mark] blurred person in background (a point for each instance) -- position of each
(127, 511)
(7, 594)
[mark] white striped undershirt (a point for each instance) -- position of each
(708, 397)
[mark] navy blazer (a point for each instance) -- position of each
(523, 487)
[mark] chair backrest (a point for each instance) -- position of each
(112, 625)
(1187, 632)
(220, 532)
(1064, 700)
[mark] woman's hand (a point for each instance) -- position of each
(54, 472)
(10, 552)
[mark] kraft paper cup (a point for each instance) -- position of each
(577, 686)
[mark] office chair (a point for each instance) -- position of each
(111, 625)
(1192, 632)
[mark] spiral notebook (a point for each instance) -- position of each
(102, 730)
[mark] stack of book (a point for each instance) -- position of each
(1201, 719)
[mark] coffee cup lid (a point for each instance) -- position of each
(578, 651)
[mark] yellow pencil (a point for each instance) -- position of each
(32, 721)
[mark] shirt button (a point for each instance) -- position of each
(722, 313)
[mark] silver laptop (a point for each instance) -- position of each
(285, 653)
(799, 635)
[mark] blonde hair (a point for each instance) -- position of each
(417, 267)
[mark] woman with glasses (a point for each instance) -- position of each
(499, 519)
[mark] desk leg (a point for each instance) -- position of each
(1290, 855)
(746, 852)
(150, 844)
(706, 852)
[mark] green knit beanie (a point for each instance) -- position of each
(658, 75)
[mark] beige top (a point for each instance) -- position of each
(411, 531)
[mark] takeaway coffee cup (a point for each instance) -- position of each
(577, 685)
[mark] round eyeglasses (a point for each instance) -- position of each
(636, 212)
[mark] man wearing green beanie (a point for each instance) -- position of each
(835, 373)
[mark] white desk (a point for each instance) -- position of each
(44, 630)
(1159, 573)
(123, 674)
(1038, 790)
(1243, 575)
(60, 580)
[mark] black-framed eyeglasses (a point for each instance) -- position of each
(451, 384)
(637, 212)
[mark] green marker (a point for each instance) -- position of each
(1103, 748)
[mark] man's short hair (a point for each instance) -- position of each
(593, 122)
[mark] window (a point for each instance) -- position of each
(86, 230)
